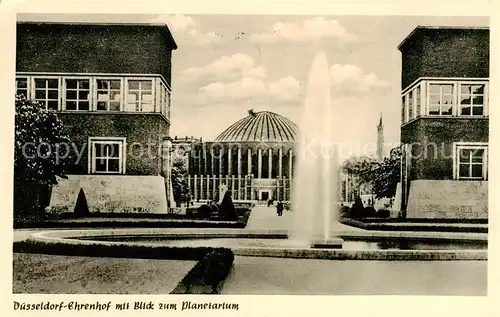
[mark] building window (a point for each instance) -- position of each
(107, 156)
(410, 105)
(418, 101)
(109, 95)
(440, 99)
(77, 94)
(22, 86)
(47, 92)
(169, 98)
(471, 100)
(471, 161)
(403, 109)
(140, 95)
(164, 101)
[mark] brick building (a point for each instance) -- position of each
(444, 130)
(111, 85)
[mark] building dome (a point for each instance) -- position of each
(263, 126)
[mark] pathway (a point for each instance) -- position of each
(263, 217)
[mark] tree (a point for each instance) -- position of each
(362, 168)
(386, 176)
(179, 180)
(42, 152)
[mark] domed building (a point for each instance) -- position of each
(254, 157)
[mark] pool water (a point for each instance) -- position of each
(348, 244)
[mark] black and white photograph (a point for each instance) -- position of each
(249, 154)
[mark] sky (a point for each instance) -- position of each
(228, 64)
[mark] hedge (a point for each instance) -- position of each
(435, 227)
(207, 276)
(113, 251)
(136, 220)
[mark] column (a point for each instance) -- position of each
(199, 162)
(280, 159)
(245, 187)
(194, 188)
(201, 186)
(208, 187)
(229, 159)
(214, 189)
(211, 162)
(278, 189)
(205, 172)
(221, 151)
(270, 163)
(259, 166)
(290, 164)
(249, 160)
(239, 162)
(233, 187)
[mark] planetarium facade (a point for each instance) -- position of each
(254, 158)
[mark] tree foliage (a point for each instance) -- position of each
(179, 180)
(361, 167)
(387, 175)
(383, 176)
(42, 152)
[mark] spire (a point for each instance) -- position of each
(380, 139)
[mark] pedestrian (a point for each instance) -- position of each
(280, 208)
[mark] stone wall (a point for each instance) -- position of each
(448, 199)
(111, 193)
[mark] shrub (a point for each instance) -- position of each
(369, 212)
(345, 211)
(112, 251)
(208, 274)
(226, 209)
(215, 209)
(204, 211)
(383, 213)
(357, 208)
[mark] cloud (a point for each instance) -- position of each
(245, 88)
(176, 23)
(185, 29)
(284, 90)
(226, 68)
(310, 30)
(351, 78)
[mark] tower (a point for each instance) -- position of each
(380, 139)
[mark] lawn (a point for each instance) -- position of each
(54, 274)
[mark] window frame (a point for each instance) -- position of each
(457, 147)
(454, 99)
(65, 90)
(28, 85)
(485, 99)
(96, 93)
(153, 95)
(122, 158)
(59, 90)
(417, 92)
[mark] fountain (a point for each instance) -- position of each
(315, 205)
(316, 192)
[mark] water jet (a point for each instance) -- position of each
(316, 191)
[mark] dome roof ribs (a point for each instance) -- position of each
(262, 126)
